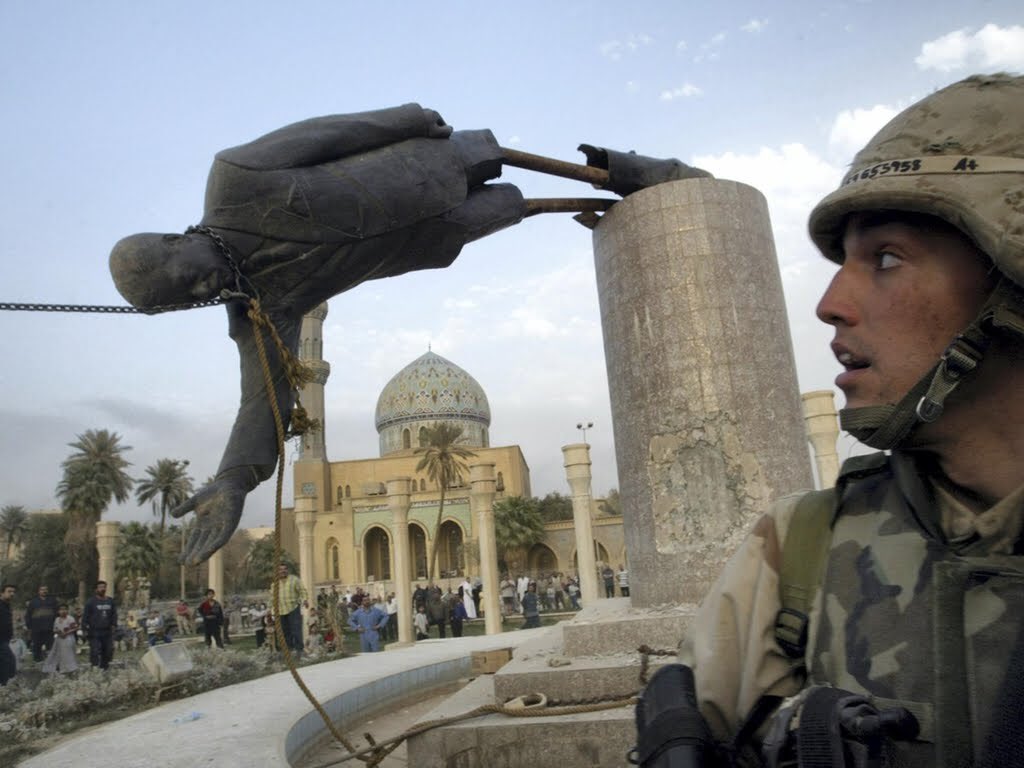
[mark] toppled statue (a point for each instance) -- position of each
(313, 209)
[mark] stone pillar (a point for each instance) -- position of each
(401, 567)
(305, 522)
(704, 396)
(311, 353)
(577, 472)
(215, 577)
(107, 533)
(481, 498)
(822, 426)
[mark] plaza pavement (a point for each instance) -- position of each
(269, 722)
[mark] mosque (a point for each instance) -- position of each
(345, 502)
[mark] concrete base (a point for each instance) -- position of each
(591, 657)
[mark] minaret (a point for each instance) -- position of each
(311, 353)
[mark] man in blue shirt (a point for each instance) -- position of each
(368, 620)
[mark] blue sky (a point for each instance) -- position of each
(114, 110)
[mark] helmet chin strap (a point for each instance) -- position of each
(888, 426)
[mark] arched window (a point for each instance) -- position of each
(348, 491)
(340, 494)
(541, 560)
(377, 549)
(406, 439)
(333, 560)
(451, 558)
(423, 484)
(422, 437)
(499, 484)
(418, 551)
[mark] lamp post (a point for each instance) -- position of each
(583, 428)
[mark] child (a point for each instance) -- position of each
(62, 655)
(420, 622)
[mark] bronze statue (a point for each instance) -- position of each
(313, 209)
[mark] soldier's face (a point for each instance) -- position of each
(902, 294)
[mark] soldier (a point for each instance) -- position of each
(912, 651)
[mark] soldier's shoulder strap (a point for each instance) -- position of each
(803, 561)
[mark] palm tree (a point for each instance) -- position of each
(13, 522)
(445, 464)
(167, 485)
(139, 551)
(259, 565)
(94, 475)
(518, 526)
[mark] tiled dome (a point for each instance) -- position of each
(431, 389)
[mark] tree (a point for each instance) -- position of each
(612, 504)
(94, 475)
(167, 485)
(517, 527)
(42, 558)
(555, 507)
(139, 552)
(444, 461)
(13, 522)
(259, 563)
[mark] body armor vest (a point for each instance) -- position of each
(913, 619)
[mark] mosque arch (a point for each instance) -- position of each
(332, 557)
(341, 494)
(541, 560)
(406, 438)
(423, 484)
(600, 553)
(377, 554)
(418, 550)
(348, 491)
(451, 551)
(422, 438)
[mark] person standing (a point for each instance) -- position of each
(258, 618)
(62, 655)
(420, 622)
(531, 610)
(39, 618)
(507, 589)
(8, 666)
(457, 617)
(213, 617)
(183, 615)
(292, 597)
(466, 590)
(368, 620)
(609, 580)
(436, 613)
(623, 577)
(391, 628)
(99, 620)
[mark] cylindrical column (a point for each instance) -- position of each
(822, 426)
(305, 522)
(481, 479)
(215, 577)
(705, 404)
(398, 500)
(106, 546)
(577, 472)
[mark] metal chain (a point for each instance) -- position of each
(243, 288)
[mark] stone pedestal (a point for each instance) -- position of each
(822, 426)
(305, 522)
(401, 567)
(705, 405)
(577, 472)
(481, 498)
(107, 532)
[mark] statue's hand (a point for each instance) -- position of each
(218, 508)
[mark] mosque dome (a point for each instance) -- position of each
(427, 390)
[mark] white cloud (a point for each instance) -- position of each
(755, 25)
(992, 48)
(614, 49)
(684, 91)
(852, 128)
(707, 48)
(514, 140)
(681, 46)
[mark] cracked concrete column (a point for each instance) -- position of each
(107, 532)
(481, 479)
(705, 404)
(399, 501)
(577, 472)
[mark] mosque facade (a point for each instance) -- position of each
(352, 529)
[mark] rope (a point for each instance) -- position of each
(262, 323)
(11, 306)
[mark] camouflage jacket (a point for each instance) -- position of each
(902, 543)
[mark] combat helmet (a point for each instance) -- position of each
(958, 155)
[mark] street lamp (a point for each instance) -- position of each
(583, 428)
